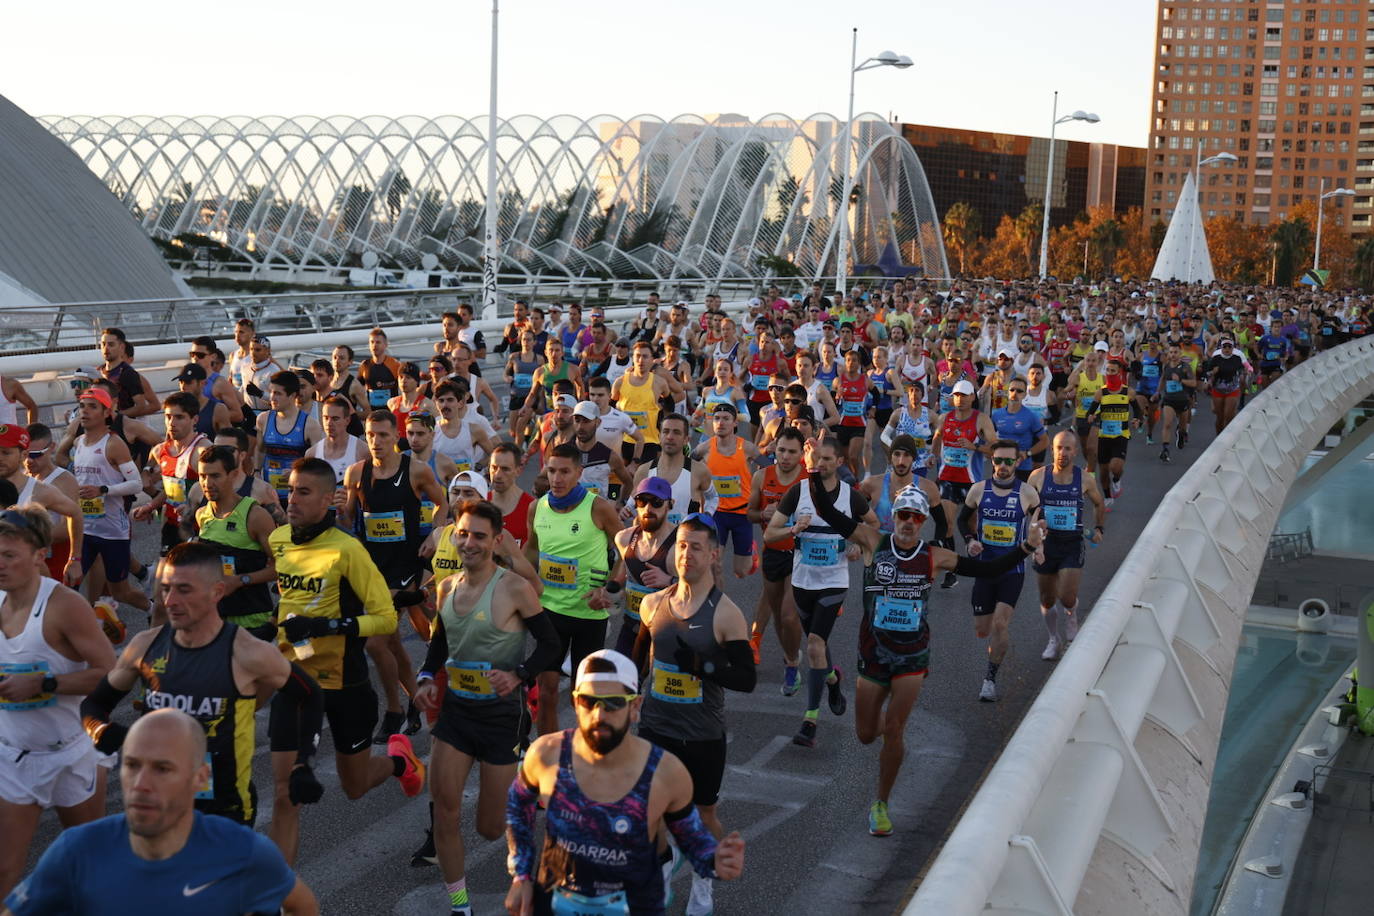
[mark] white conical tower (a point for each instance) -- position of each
(1184, 255)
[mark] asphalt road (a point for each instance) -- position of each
(803, 812)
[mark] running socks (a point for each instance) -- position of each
(816, 679)
(1051, 616)
(458, 897)
(992, 671)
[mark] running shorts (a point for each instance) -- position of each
(351, 711)
(1062, 553)
(488, 732)
(705, 761)
(988, 593)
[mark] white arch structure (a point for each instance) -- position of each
(686, 197)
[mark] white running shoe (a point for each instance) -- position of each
(702, 901)
(988, 693)
(1070, 626)
(670, 870)
(1051, 649)
(567, 665)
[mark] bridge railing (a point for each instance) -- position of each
(1096, 804)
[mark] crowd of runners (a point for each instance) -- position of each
(311, 514)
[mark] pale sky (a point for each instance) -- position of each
(981, 64)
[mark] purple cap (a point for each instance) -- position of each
(655, 486)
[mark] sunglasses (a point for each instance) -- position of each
(611, 702)
(792, 401)
(34, 456)
(777, 387)
(647, 499)
(1005, 462)
(196, 354)
(907, 515)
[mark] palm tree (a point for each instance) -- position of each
(962, 225)
(1107, 238)
(1291, 238)
(1028, 224)
(1364, 264)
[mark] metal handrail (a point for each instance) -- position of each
(1074, 799)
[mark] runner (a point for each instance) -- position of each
(599, 462)
(776, 599)
(729, 457)
(1180, 385)
(851, 390)
(881, 489)
(694, 643)
(1001, 507)
(52, 653)
(344, 382)
(39, 465)
(638, 393)
(521, 366)
(217, 387)
(514, 503)
(645, 550)
(1273, 351)
(615, 426)
(1115, 416)
(338, 448)
(571, 530)
(239, 529)
(1147, 371)
(244, 482)
(1084, 386)
(690, 480)
(607, 792)
(1023, 426)
(380, 374)
(63, 509)
(479, 640)
(332, 599)
(1226, 378)
(383, 504)
(1063, 488)
(279, 447)
(912, 419)
(957, 450)
(214, 671)
(894, 633)
(461, 431)
(820, 579)
(554, 369)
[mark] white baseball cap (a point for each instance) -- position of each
(470, 479)
(963, 386)
(1006, 351)
(565, 400)
(1101, 346)
(587, 410)
(625, 673)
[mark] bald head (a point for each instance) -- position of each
(1064, 449)
(168, 734)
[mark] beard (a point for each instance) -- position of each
(604, 738)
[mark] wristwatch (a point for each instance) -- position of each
(104, 489)
(245, 580)
(49, 685)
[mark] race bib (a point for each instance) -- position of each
(557, 572)
(901, 614)
(674, 686)
(92, 507)
(278, 475)
(852, 408)
(227, 565)
(175, 490)
(38, 701)
(675, 517)
(209, 789)
(1173, 386)
(524, 381)
(1149, 370)
(470, 680)
(820, 551)
(377, 398)
(727, 486)
(462, 464)
(956, 457)
(998, 535)
(384, 527)
(426, 516)
(641, 418)
(758, 382)
(1111, 427)
(566, 903)
(634, 597)
(1062, 518)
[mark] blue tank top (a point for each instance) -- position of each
(1000, 521)
(884, 507)
(827, 377)
(918, 428)
(1148, 383)
(597, 850)
(208, 389)
(1063, 505)
(879, 381)
(280, 450)
(426, 506)
(713, 397)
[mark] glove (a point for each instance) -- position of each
(111, 738)
(253, 390)
(299, 628)
(408, 598)
(303, 788)
(686, 659)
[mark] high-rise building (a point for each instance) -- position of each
(1286, 86)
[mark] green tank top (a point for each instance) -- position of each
(572, 557)
(249, 606)
(551, 377)
(476, 646)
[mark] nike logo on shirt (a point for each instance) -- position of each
(189, 891)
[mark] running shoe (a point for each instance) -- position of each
(391, 725)
(988, 692)
(1149, 439)
(1051, 649)
(806, 735)
(1164, 454)
(426, 854)
(879, 824)
(791, 681)
(105, 612)
(701, 902)
(1070, 626)
(834, 697)
(754, 567)
(413, 777)
(670, 870)
(413, 722)
(950, 580)
(146, 581)
(756, 647)
(1116, 489)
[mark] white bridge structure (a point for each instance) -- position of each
(640, 197)
(1096, 804)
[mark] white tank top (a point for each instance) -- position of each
(46, 722)
(9, 410)
(914, 372)
(352, 454)
(819, 560)
(59, 522)
(682, 490)
(1038, 402)
(104, 516)
(458, 448)
(813, 398)
(1020, 368)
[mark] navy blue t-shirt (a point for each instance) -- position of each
(1023, 427)
(224, 868)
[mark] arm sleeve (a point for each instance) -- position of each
(825, 508)
(737, 671)
(437, 654)
(131, 483)
(520, 812)
(987, 569)
(96, 710)
(693, 839)
(369, 585)
(309, 699)
(547, 647)
(964, 521)
(269, 880)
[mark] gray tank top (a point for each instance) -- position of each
(680, 705)
(476, 646)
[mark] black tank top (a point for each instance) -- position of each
(390, 522)
(200, 683)
(682, 705)
(635, 589)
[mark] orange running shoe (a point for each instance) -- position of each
(755, 646)
(413, 777)
(105, 612)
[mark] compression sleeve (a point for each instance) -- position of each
(941, 523)
(520, 811)
(97, 708)
(302, 689)
(737, 672)
(547, 647)
(988, 569)
(692, 838)
(824, 502)
(964, 521)
(437, 655)
(131, 484)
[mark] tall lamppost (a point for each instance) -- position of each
(1321, 198)
(885, 59)
(1055, 121)
(1197, 191)
(491, 247)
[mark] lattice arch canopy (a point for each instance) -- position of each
(643, 196)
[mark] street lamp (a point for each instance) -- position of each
(1322, 196)
(1055, 121)
(491, 246)
(885, 59)
(1197, 192)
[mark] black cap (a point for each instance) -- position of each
(191, 372)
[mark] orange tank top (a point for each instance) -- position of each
(730, 476)
(773, 492)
